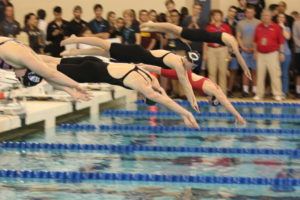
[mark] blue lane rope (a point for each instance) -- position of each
(140, 114)
(73, 176)
(182, 129)
(239, 104)
(141, 148)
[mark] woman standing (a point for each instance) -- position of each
(35, 35)
(131, 31)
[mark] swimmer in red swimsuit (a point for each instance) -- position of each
(203, 86)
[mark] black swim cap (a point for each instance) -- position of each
(31, 79)
(214, 101)
(194, 57)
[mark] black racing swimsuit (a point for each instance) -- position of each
(30, 78)
(201, 35)
(93, 70)
(135, 54)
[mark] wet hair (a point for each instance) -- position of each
(98, 6)
(41, 13)
(77, 8)
(57, 9)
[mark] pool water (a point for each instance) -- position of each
(159, 163)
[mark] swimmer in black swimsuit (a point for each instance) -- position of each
(94, 70)
(137, 54)
(21, 57)
(200, 35)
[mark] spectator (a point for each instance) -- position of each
(215, 54)
(245, 35)
(98, 25)
(274, 10)
(269, 50)
(42, 24)
(259, 6)
(148, 39)
(56, 32)
(194, 21)
(282, 6)
(170, 5)
(35, 35)
(153, 15)
(111, 18)
(240, 15)
(9, 27)
(295, 15)
(184, 12)
(77, 24)
(3, 4)
(130, 32)
(296, 38)
(233, 64)
(286, 31)
(120, 24)
(135, 21)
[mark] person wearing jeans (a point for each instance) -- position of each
(286, 31)
(269, 52)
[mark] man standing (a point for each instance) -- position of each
(56, 32)
(148, 39)
(99, 26)
(269, 51)
(245, 34)
(77, 24)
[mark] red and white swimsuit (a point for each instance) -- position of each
(196, 85)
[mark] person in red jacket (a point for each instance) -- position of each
(216, 55)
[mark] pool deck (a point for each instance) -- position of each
(48, 111)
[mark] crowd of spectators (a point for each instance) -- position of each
(268, 37)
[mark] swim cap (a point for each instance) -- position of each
(194, 57)
(214, 101)
(31, 79)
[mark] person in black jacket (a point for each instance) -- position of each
(56, 32)
(77, 25)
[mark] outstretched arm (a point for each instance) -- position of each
(93, 41)
(150, 91)
(165, 100)
(182, 74)
(213, 89)
(95, 51)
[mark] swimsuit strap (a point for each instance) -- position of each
(137, 70)
(165, 55)
(11, 39)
